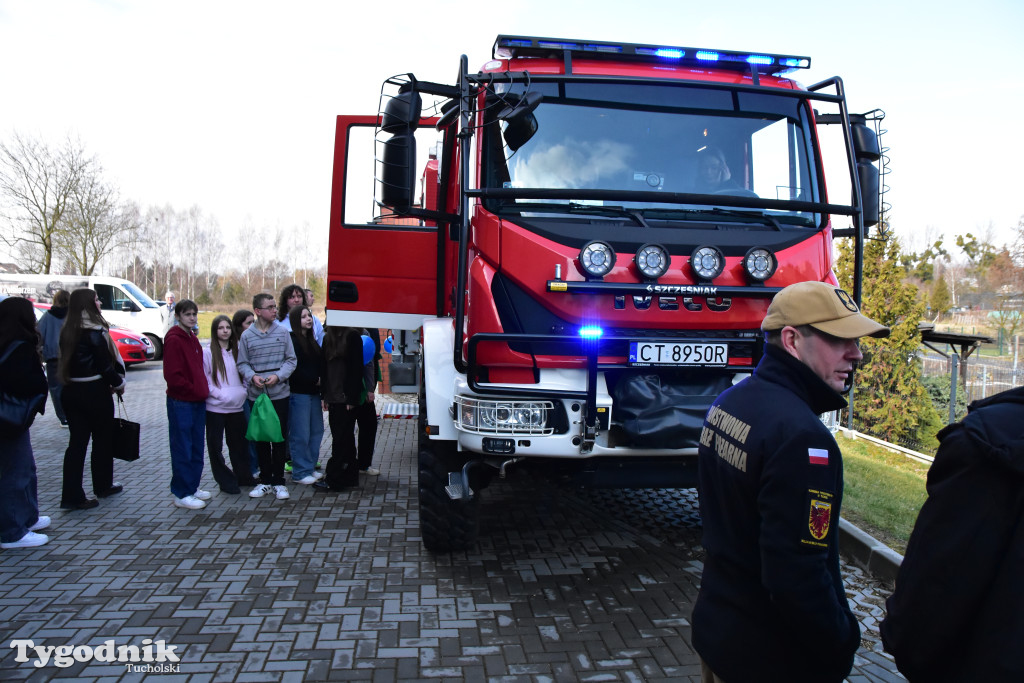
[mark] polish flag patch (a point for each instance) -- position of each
(817, 456)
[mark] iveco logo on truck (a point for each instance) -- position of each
(517, 211)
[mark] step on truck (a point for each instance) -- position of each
(575, 247)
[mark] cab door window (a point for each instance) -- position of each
(112, 298)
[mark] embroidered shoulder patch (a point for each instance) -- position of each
(817, 456)
(819, 518)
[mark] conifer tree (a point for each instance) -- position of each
(940, 301)
(889, 399)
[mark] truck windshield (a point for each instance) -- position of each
(620, 138)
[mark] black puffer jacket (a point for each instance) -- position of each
(958, 610)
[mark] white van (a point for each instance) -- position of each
(123, 303)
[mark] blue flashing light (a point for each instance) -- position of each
(669, 53)
(512, 47)
(591, 331)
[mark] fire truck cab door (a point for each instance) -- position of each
(382, 271)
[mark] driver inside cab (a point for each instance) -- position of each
(713, 173)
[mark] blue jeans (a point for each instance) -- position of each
(186, 424)
(254, 458)
(19, 508)
(53, 382)
(305, 433)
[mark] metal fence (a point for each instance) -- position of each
(980, 377)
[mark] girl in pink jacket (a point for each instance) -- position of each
(224, 416)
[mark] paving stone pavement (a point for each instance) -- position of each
(563, 586)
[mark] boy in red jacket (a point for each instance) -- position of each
(186, 406)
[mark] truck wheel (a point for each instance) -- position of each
(158, 346)
(445, 524)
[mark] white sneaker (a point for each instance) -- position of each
(307, 480)
(318, 475)
(202, 495)
(281, 492)
(260, 491)
(372, 471)
(189, 502)
(30, 540)
(41, 523)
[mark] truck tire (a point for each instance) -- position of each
(445, 525)
(158, 346)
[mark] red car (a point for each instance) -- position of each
(134, 348)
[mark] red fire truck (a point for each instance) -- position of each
(575, 247)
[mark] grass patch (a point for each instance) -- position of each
(205, 320)
(884, 491)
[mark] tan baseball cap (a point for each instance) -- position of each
(824, 307)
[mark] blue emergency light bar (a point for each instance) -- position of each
(509, 47)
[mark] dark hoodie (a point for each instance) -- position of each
(958, 610)
(49, 330)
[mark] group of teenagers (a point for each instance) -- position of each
(282, 350)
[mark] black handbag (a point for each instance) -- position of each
(126, 434)
(16, 412)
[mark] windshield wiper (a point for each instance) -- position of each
(688, 214)
(581, 209)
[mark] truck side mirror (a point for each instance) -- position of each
(398, 172)
(397, 177)
(521, 123)
(867, 174)
(865, 142)
(866, 149)
(402, 112)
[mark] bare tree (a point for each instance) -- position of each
(246, 251)
(36, 186)
(95, 223)
(212, 251)
(302, 252)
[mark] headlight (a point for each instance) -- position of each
(530, 416)
(126, 340)
(759, 263)
(707, 262)
(652, 261)
(503, 417)
(597, 258)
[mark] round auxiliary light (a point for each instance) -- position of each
(652, 261)
(707, 262)
(597, 258)
(759, 264)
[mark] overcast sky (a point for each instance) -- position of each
(230, 105)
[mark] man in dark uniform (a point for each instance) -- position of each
(771, 605)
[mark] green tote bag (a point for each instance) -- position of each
(264, 424)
